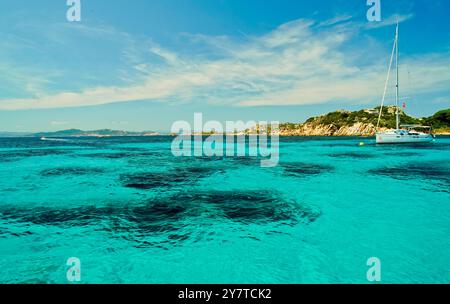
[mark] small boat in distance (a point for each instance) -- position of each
(403, 134)
(53, 139)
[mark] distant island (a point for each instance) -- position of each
(338, 123)
(95, 133)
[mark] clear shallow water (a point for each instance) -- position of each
(133, 213)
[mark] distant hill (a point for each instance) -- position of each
(440, 121)
(94, 133)
(14, 134)
(362, 123)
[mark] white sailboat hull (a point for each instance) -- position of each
(403, 138)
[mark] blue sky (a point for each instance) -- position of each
(141, 65)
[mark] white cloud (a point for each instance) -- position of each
(300, 62)
(168, 56)
(391, 20)
(335, 20)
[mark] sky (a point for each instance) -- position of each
(142, 65)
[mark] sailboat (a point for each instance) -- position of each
(402, 133)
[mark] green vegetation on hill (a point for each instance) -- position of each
(347, 118)
(388, 118)
(439, 121)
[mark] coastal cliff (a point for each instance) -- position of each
(313, 129)
(362, 123)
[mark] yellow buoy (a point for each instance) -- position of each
(361, 144)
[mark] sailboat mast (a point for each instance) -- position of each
(394, 47)
(397, 85)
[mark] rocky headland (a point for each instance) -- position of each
(362, 123)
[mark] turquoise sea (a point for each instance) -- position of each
(133, 213)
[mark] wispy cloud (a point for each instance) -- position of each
(300, 62)
(391, 20)
(335, 20)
